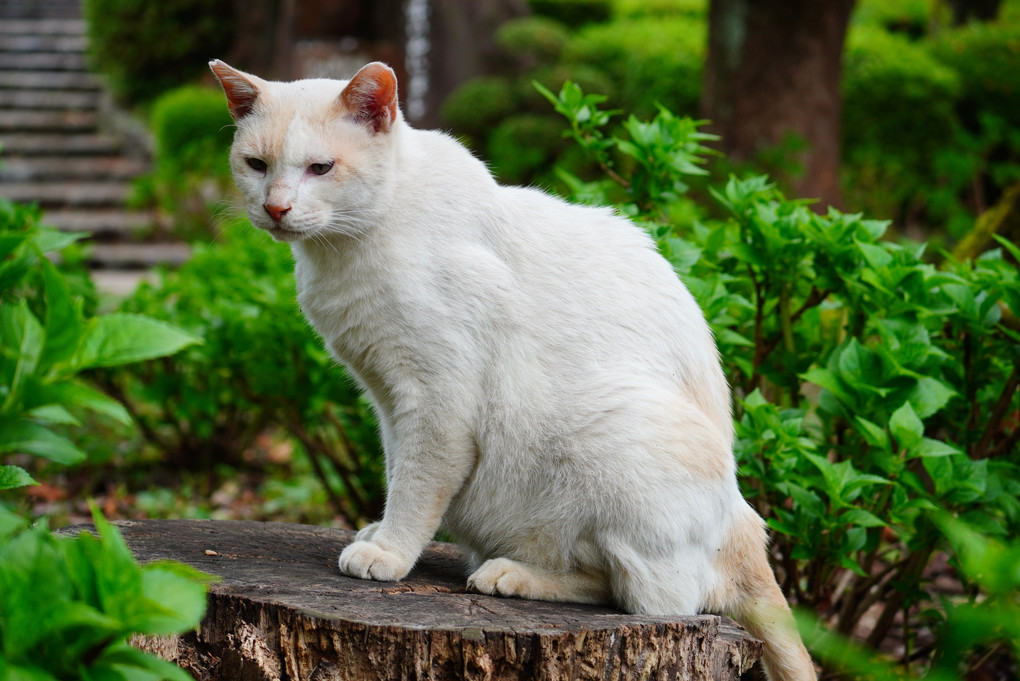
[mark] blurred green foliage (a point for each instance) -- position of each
(874, 390)
(48, 339)
(68, 605)
(193, 131)
(145, 48)
(260, 367)
(927, 114)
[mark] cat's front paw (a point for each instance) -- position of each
(366, 560)
(503, 577)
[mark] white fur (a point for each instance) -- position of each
(548, 391)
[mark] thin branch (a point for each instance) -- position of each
(982, 449)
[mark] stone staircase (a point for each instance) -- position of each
(54, 148)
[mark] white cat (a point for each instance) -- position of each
(547, 389)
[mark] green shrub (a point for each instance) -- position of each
(145, 48)
(474, 107)
(69, 604)
(47, 340)
(573, 12)
(911, 17)
(873, 390)
(630, 9)
(652, 60)
(193, 133)
(260, 366)
(985, 57)
(532, 41)
(193, 130)
(898, 111)
(522, 146)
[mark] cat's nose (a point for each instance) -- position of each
(276, 212)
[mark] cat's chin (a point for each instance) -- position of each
(281, 234)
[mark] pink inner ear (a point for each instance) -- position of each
(241, 92)
(371, 96)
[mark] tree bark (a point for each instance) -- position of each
(773, 69)
(282, 610)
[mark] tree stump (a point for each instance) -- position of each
(282, 610)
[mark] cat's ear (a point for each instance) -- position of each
(371, 97)
(242, 89)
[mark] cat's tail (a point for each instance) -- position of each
(750, 594)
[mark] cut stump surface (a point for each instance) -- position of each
(282, 610)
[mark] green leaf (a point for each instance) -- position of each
(906, 427)
(115, 339)
(23, 673)
(929, 396)
(862, 518)
(876, 256)
(63, 318)
(13, 476)
(47, 239)
(173, 603)
(118, 577)
(930, 447)
(19, 435)
(19, 328)
(873, 434)
(137, 664)
(80, 395)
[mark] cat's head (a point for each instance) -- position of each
(313, 157)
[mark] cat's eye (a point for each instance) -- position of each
(320, 168)
(257, 164)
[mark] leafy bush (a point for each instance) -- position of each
(872, 389)
(533, 40)
(145, 48)
(910, 17)
(479, 104)
(193, 130)
(523, 146)
(573, 12)
(193, 133)
(260, 366)
(68, 605)
(623, 9)
(985, 57)
(47, 340)
(898, 112)
(652, 60)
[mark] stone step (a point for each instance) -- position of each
(104, 224)
(53, 144)
(42, 26)
(121, 283)
(48, 99)
(40, 9)
(52, 120)
(137, 256)
(42, 61)
(43, 43)
(68, 194)
(22, 169)
(47, 80)
(9, 11)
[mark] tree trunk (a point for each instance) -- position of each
(773, 70)
(462, 41)
(282, 610)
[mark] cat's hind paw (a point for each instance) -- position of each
(366, 560)
(504, 577)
